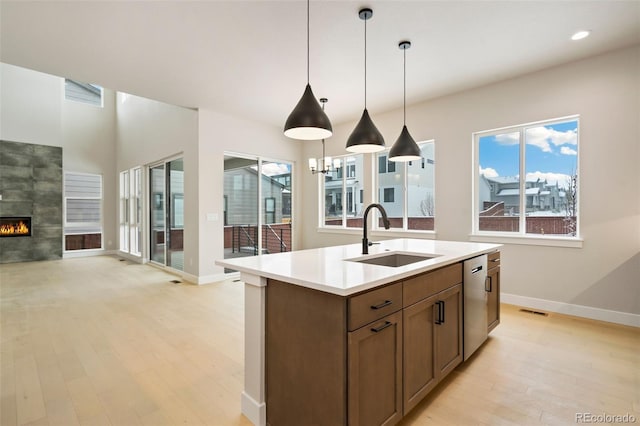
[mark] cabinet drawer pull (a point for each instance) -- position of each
(382, 327)
(495, 260)
(440, 312)
(382, 305)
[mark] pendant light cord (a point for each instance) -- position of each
(365, 64)
(404, 99)
(324, 100)
(307, 42)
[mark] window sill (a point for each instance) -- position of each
(339, 230)
(425, 235)
(570, 242)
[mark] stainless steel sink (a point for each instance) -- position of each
(395, 260)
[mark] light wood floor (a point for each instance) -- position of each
(98, 341)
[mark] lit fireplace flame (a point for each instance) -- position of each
(19, 228)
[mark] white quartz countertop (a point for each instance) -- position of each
(327, 269)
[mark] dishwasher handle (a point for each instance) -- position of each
(489, 290)
(476, 269)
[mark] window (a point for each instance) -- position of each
(406, 190)
(526, 179)
(83, 211)
(131, 211)
(384, 165)
(86, 93)
(341, 207)
(124, 211)
(270, 210)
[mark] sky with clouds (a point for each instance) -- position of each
(274, 169)
(551, 153)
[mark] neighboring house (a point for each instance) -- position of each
(540, 195)
(420, 185)
(333, 202)
(241, 192)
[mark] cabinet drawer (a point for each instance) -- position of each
(373, 305)
(430, 283)
(493, 259)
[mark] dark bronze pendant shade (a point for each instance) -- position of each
(405, 148)
(308, 121)
(365, 137)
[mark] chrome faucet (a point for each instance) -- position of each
(385, 221)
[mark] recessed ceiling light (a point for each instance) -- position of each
(580, 35)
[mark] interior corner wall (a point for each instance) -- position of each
(89, 134)
(33, 110)
(605, 91)
(149, 131)
(221, 133)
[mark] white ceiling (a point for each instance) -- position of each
(248, 58)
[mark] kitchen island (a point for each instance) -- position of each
(309, 320)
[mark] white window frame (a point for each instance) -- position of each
(322, 226)
(128, 224)
(68, 226)
(404, 166)
(66, 98)
(521, 237)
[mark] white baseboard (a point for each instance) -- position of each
(205, 279)
(624, 318)
(256, 412)
(87, 253)
(130, 257)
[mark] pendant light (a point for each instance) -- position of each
(325, 162)
(308, 121)
(365, 137)
(405, 148)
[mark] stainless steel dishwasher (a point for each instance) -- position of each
(475, 304)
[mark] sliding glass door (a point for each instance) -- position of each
(166, 221)
(156, 219)
(241, 207)
(257, 206)
(175, 216)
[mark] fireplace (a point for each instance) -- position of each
(15, 226)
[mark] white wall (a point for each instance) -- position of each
(149, 131)
(605, 91)
(221, 133)
(34, 111)
(31, 106)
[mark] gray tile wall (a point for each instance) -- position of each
(31, 185)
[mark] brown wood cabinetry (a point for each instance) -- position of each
(448, 349)
(419, 355)
(432, 335)
(375, 372)
(492, 287)
(365, 359)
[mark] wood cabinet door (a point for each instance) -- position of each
(492, 286)
(418, 324)
(375, 372)
(448, 330)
